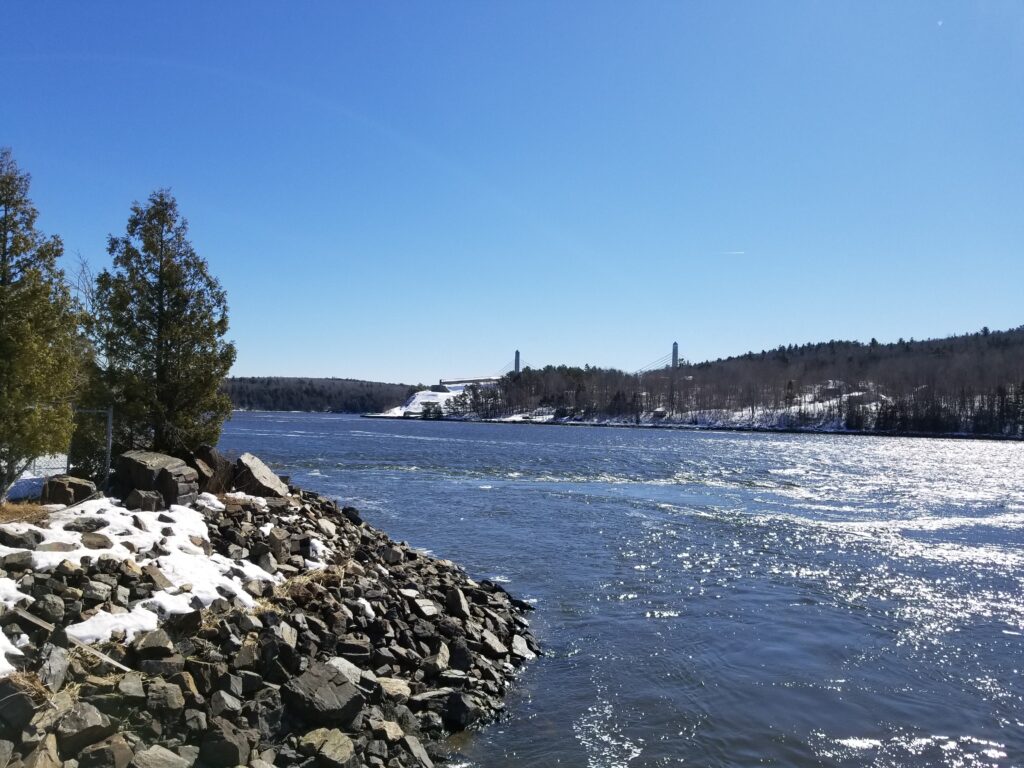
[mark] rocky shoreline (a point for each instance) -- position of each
(258, 626)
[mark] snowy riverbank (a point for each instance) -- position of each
(241, 629)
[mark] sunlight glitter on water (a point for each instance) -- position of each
(716, 599)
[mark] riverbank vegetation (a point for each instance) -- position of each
(284, 393)
(143, 341)
(969, 384)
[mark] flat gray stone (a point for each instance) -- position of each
(81, 726)
(159, 757)
(254, 477)
(323, 695)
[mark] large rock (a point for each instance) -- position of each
(417, 751)
(461, 711)
(351, 672)
(162, 696)
(27, 539)
(521, 648)
(65, 489)
(16, 706)
(224, 744)
(159, 757)
(493, 647)
(145, 501)
(44, 755)
(254, 477)
(55, 665)
(112, 753)
(81, 726)
(153, 645)
(331, 747)
(455, 600)
(323, 696)
(214, 470)
(395, 688)
(176, 482)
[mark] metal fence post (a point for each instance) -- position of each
(110, 445)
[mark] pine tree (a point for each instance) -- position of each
(39, 349)
(159, 325)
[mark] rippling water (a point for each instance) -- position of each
(713, 599)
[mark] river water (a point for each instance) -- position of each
(712, 599)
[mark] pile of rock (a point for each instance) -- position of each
(360, 652)
(156, 480)
(65, 489)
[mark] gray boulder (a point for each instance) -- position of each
(145, 501)
(65, 489)
(171, 477)
(28, 539)
(323, 695)
(214, 470)
(153, 645)
(55, 664)
(461, 711)
(112, 753)
(254, 477)
(331, 747)
(16, 705)
(224, 744)
(81, 726)
(159, 757)
(44, 755)
(417, 751)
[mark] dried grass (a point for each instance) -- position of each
(264, 606)
(73, 690)
(22, 512)
(289, 588)
(32, 685)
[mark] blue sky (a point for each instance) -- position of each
(405, 191)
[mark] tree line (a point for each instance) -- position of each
(973, 384)
(279, 393)
(145, 338)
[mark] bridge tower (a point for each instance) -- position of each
(675, 355)
(517, 361)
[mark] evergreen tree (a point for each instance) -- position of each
(159, 323)
(39, 350)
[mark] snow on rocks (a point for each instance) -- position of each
(175, 540)
(275, 630)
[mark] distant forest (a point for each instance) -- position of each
(276, 393)
(962, 384)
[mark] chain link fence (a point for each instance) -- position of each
(89, 452)
(88, 455)
(48, 466)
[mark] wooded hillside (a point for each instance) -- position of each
(278, 393)
(969, 384)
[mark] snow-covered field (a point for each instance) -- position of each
(414, 405)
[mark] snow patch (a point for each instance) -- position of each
(414, 405)
(103, 625)
(181, 532)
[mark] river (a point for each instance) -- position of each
(712, 599)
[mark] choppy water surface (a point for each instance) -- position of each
(713, 599)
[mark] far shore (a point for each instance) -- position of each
(670, 426)
(703, 428)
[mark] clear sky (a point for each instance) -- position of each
(405, 191)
